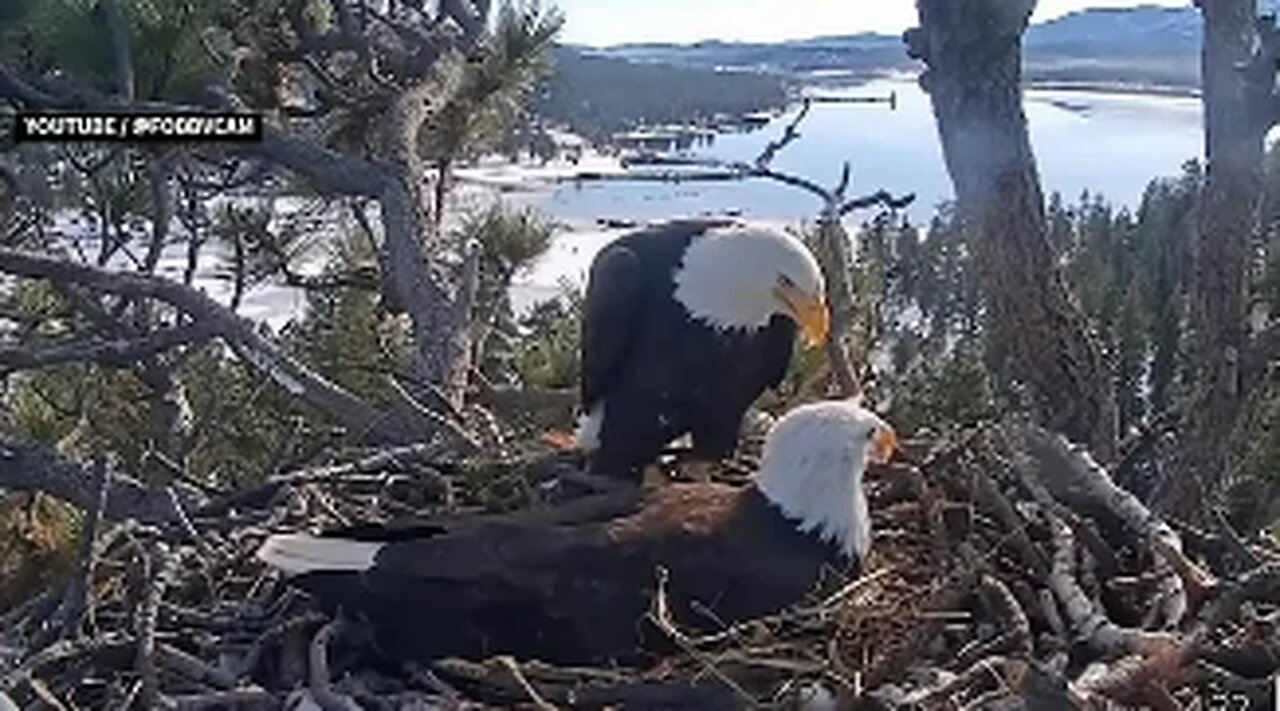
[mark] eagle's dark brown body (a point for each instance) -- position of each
(579, 594)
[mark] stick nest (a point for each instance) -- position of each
(1007, 571)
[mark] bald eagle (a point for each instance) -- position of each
(579, 593)
(685, 325)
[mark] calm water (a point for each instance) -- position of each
(1109, 143)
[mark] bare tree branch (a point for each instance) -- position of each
(358, 416)
(29, 466)
(121, 47)
(124, 352)
(788, 135)
(13, 87)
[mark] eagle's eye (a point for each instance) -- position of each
(871, 434)
(785, 281)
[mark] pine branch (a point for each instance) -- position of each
(122, 352)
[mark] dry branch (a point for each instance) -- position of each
(1089, 622)
(29, 466)
(123, 353)
(1072, 474)
(951, 616)
(291, 375)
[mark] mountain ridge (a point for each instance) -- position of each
(1148, 44)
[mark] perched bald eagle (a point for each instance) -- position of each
(686, 324)
(579, 593)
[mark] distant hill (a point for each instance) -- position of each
(1140, 45)
(1145, 44)
(598, 95)
(856, 52)
(601, 90)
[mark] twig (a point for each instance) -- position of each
(855, 587)
(77, 597)
(184, 523)
(155, 575)
(319, 680)
(224, 699)
(789, 134)
(879, 197)
(510, 665)
(388, 459)
(660, 615)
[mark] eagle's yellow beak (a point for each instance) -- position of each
(884, 442)
(809, 312)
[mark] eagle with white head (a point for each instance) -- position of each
(685, 325)
(579, 593)
(814, 460)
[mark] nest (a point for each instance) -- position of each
(1007, 571)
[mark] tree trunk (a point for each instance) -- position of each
(439, 315)
(973, 52)
(1236, 122)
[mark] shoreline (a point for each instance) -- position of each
(1117, 87)
(1084, 86)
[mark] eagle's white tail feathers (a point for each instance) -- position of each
(588, 434)
(296, 554)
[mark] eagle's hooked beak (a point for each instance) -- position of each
(809, 312)
(884, 442)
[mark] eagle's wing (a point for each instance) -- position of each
(495, 553)
(614, 288)
(663, 522)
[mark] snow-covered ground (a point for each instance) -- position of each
(271, 303)
(527, 184)
(500, 174)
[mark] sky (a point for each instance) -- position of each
(604, 22)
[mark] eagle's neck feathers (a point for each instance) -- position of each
(815, 479)
(719, 280)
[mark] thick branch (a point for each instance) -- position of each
(13, 87)
(121, 47)
(1072, 473)
(28, 466)
(327, 170)
(240, 334)
(1090, 622)
(124, 352)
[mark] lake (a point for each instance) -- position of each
(1111, 143)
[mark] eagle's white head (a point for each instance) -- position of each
(738, 276)
(814, 459)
